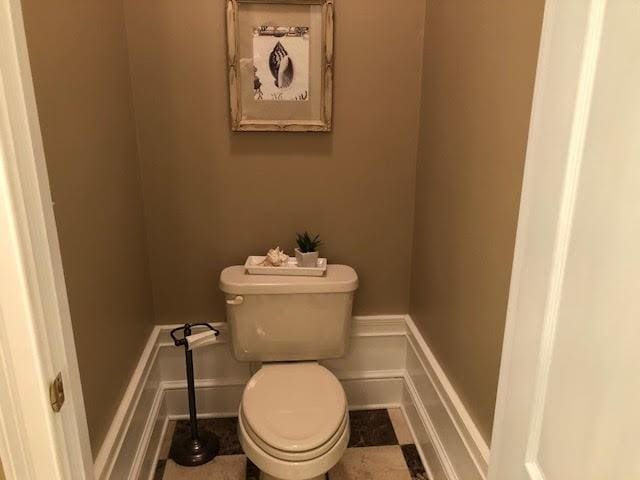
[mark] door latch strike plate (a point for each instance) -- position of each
(56, 393)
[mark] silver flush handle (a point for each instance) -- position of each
(238, 300)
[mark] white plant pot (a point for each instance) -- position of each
(309, 259)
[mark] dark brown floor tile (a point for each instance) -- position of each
(158, 474)
(371, 428)
(414, 462)
(225, 429)
(253, 472)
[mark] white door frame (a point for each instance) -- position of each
(36, 339)
(569, 48)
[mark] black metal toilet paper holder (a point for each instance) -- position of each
(197, 448)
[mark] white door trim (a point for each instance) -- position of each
(569, 48)
(36, 340)
(565, 225)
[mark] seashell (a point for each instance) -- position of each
(276, 258)
(281, 66)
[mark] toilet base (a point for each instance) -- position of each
(266, 476)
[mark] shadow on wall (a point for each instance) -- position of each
(265, 145)
(478, 77)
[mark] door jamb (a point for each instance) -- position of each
(36, 337)
(559, 118)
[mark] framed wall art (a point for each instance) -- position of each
(280, 59)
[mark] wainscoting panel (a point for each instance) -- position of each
(462, 452)
(388, 365)
(141, 405)
(213, 398)
(146, 458)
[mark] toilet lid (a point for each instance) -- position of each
(294, 407)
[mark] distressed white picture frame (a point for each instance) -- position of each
(242, 106)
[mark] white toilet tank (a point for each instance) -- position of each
(284, 318)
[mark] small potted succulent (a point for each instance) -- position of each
(307, 252)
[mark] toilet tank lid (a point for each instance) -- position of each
(337, 279)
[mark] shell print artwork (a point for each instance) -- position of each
(281, 66)
(281, 63)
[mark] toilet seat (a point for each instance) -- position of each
(277, 468)
(294, 411)
(296, 456)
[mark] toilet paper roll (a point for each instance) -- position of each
(201, 339)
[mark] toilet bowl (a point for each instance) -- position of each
(294, 421)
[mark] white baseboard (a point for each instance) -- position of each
(439, 417)
(119, 449)
(388, 364)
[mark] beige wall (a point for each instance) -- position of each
(212, 196)
(81, 76)
(478, 75)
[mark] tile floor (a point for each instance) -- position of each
(380, 448)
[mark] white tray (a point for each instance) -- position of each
(253, 267)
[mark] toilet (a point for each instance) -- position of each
(293, 420)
